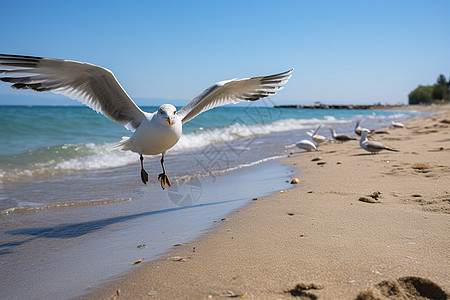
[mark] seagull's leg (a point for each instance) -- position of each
(144, 175)
(163, 178)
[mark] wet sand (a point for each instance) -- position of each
(329, 237)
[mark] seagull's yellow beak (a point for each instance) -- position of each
(169, 119)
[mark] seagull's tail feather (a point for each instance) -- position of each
(124, 144)
(391, 149)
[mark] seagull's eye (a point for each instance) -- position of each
(174, 112)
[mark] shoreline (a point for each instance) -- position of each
(360, 106)
(318, 235)
(111, 237)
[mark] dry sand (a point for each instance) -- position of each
(318, 240)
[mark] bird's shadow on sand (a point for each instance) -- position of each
(82, 228)
(362, 154)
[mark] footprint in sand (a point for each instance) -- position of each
(372, 198)
(302, 290)
(404, 288)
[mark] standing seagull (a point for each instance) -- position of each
(306, 145)
(371, 146)
(317, 137)
(340, 137)
(153, 133)
(358, 128)
(398, 125)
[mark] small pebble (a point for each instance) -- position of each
(295, 180)
(316, 159)
(321, 163)
(416, 195)
(152, 293)
(421, 166)
(254, 199)
(138, 261)
(339, 163)
(177, 258)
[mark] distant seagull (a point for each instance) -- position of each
(306, 145)
(371, 146)
(358, 128)
(340, 137)
(398, 125)
(153, 133)
(317, 137)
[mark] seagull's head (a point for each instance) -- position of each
(166, 114)
(365, 132)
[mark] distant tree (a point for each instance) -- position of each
(422, 94)
(431, 93)
(439, 92)
(448, 87)
(441, 80)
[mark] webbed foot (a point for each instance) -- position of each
(164, 180)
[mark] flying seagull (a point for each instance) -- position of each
(371, 146)
(153, 133)
(340, 137)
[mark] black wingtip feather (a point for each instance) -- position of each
(12, 56)
(19, 86)
(37, 87)
(19, 64)
(15, 79)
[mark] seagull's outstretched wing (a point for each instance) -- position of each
(92, 85)
(234, 91)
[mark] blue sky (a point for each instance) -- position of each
(169, 51)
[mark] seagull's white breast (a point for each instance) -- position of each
(152, 137)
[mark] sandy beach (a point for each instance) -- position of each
(328, 237)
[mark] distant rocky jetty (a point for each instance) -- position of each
(339, 106)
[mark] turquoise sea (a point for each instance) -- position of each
(49, 141)
(72, 213)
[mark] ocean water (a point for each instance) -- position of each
(48, 142)
(72, 213)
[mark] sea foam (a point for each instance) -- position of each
(65, 158)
